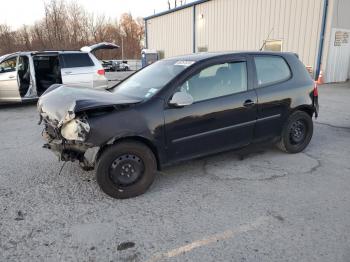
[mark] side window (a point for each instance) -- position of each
(77, 60)
(271, 69)
(217, 81)
(23, 63)
(8, 65)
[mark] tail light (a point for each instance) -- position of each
(315, 90)
(101, 72)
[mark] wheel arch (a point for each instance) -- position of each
(139, 139)
(304, 108)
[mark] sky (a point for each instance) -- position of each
(15, 13)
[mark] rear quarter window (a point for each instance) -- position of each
(76, 60)
(271, 70)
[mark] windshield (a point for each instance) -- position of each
(147, 82)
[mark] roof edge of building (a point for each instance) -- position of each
(175, 9)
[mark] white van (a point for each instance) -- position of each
(24, 76)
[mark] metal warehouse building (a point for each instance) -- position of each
(317, 30)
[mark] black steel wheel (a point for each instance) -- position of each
(126, 169)
(297, 132)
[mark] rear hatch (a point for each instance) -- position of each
(99, 46)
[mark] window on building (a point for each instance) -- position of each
(273, 45)
(77, 60)
(271, 69)
(217, 81)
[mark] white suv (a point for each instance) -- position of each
(26, 75)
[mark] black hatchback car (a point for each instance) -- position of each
(177, 109)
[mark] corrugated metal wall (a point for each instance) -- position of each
(338, 64)
(240, 25)
(336, 58)
(171, 33)
(341, 18)
(244, 24)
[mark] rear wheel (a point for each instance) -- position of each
(126, 170)
(297, 133)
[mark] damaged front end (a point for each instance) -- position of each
(64, 113)
(68, 141)
(64, 131)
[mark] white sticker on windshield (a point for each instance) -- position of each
(153, 90)
(184, 63)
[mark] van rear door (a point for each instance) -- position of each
(9, 90)
(77, 69)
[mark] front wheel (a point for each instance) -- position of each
(126, 170)
(297, 133)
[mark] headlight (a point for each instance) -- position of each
(76, 130)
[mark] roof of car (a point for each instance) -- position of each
(206, 55)
(55, 51)
(40, 52)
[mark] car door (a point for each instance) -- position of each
(9, 90)
(222, 115)
(273, 76)
(77, 69)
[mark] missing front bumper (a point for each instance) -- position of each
(69, 151)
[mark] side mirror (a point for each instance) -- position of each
(181, 99)
(2, 69)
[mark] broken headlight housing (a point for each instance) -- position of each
(75, 130)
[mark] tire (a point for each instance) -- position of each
(113, 178)
(296, 133)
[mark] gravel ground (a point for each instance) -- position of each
(257, 204)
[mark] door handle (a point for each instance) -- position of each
(11, 77)
(248, 103)
(68, 73)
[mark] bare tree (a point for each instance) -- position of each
(67, 25)
(7, 39)
(78, 32)
(24, 38)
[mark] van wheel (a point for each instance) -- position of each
(297, 133)
(126, 170)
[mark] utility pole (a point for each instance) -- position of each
(122, 47)
(122, 35)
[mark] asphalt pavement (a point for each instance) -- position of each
(258, 204)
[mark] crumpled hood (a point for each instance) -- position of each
(60, 103)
